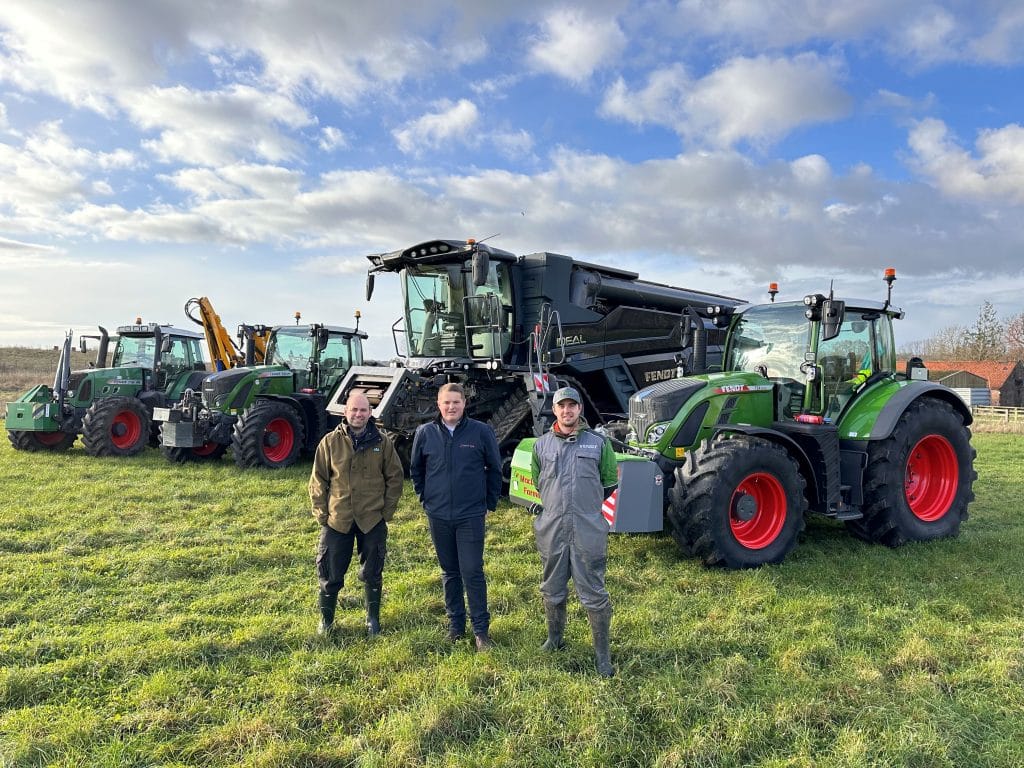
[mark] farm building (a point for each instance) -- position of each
(1005, 379)
(971, 387)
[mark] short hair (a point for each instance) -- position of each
(452, 386)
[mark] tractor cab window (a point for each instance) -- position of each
(340, 354)
(291, 347)
(442, 305)
(182, 355)
(134, 352)
(864, 346)
(770, 340)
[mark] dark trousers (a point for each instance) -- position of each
(334, 553)
(460, 553)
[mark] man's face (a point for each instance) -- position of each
(357, 411)
(567, 412)
(451, 405)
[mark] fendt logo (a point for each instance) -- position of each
(663, 375)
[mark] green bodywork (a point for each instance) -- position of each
(303, 361)
(138, 367)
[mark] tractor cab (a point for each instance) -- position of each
(167, 351)
(816, 366)
(318, 355)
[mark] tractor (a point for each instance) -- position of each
(111, 408)
(807, 413)
(268, 414)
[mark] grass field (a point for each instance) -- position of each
(21, 368)
(155, 614)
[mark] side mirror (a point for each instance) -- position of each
(369, 285)
(481, 265)
(81, 345)
(832, 312)
(686, 328)
(165, 345)
(322, 336)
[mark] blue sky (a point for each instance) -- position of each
(255, 153)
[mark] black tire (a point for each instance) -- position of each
(919, 481)
(508, 419)
(268, 434)
(737, 502)
(40, 441)
(208, 452)
(116, 426)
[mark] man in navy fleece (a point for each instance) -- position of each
(456, 471)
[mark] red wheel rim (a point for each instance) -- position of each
(932, 479)
(49, 438)
(205, 449)
(125, 430)
(757, 510)
(278, 439)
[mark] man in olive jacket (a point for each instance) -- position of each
(354, 490)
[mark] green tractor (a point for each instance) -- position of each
(268, 414)
(807, 414)
(111, 408)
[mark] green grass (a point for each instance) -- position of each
(154, 614)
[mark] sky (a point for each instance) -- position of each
(256, 152)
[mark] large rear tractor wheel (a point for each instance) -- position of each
(268, 434)
(116, 426)
(40, 441)
(918, 481)
(737, 502)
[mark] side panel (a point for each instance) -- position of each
(873, 415)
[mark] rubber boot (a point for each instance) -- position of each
(555, 613)
(328, 604)
(600, 627)
(372, 610)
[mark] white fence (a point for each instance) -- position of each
(994, 418)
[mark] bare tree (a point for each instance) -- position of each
(1015, 337)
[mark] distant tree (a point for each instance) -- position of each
(986, 338)
(950, 343)
(1015, 337)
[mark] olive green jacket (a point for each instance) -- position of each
(355, 486)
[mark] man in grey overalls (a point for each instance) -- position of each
(574, 470)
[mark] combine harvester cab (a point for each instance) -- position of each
(807, 415)
(111, 408)
(509, 328)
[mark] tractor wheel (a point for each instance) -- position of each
(116, 426)
(40, 441)
(737, 502)
(918, 481)
(268, 434)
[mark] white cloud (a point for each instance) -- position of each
(994, 173)
(746, 99)
(47, 175)
(450, 123)
(332, 138)
(216, 127)
(573, 44)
